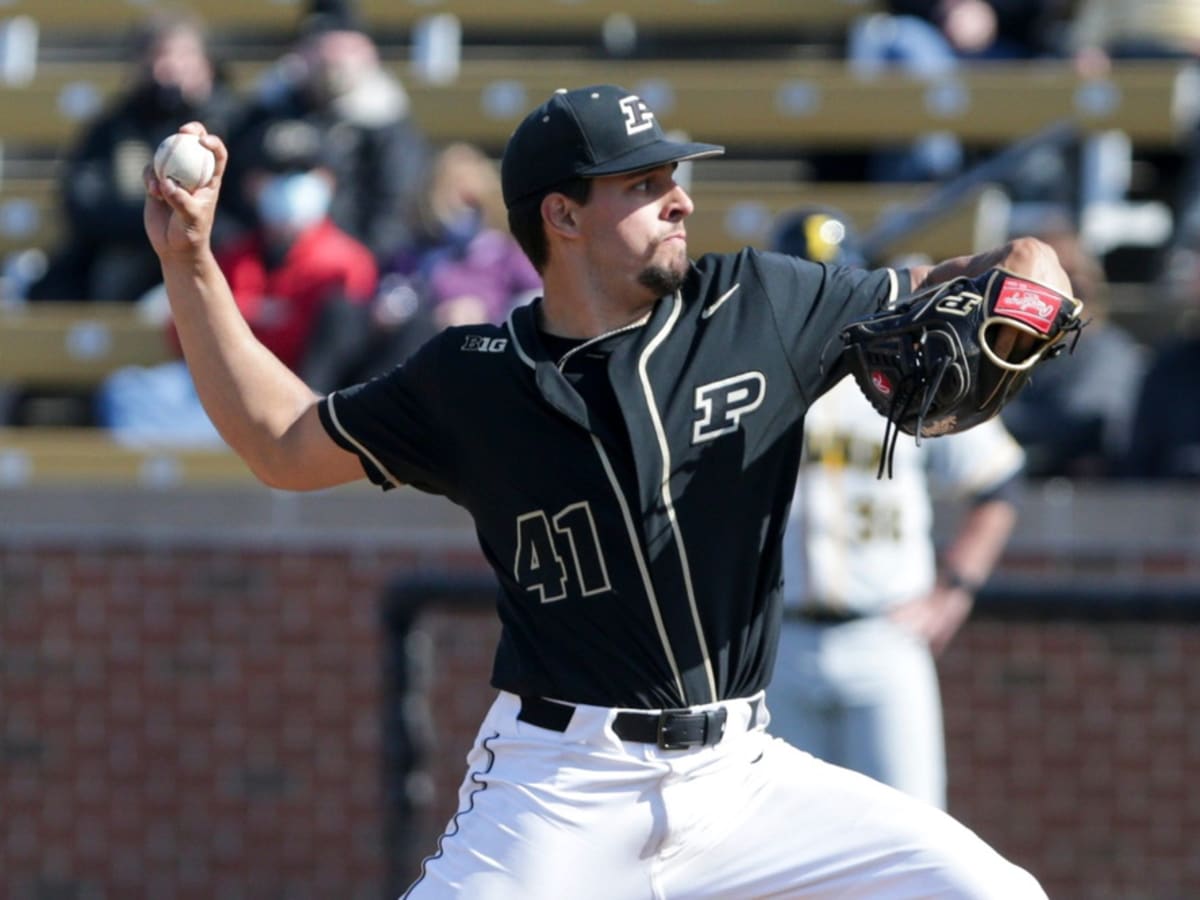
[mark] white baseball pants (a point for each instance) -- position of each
(581, 814)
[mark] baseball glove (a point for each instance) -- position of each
(950, 357)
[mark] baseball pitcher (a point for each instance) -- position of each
(627, 446)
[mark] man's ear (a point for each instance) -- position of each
(558, 211)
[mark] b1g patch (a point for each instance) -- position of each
(478, 343)
(1035, 305)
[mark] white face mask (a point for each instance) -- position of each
(294, 202)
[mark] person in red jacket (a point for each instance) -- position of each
(293, 273)
(303, 285)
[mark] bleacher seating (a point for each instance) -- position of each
(774, 107)
(30, 214)
(786, 105)
(75, 344)
(518, 17)
(777, 106)
(41, 456)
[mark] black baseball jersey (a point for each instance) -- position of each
(638, 550)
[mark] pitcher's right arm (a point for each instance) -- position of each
(259, 406)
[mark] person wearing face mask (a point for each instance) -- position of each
(472, 268)
(297, 263)
(175, 79)
(301, 283)
(462, 267)
(333, 78)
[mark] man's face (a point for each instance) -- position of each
(179, 59)
(338, 61)
(633, 224)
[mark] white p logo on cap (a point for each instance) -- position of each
(637, 115)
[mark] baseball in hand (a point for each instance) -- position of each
(182, 158)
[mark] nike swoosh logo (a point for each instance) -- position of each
(716, 304)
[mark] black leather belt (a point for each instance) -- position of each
(671, 729)
(820, 615)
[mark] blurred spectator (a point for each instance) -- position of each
(1164, 439)
(334, 80)
(286, 276)
(462, 266)
(1105, 31)
(868, 600)
(105, 255)
(466, 266)
(985, 29)
(1073, 416)
(1185, 200)
(297, 263)
(1163, 436)
(932, 39)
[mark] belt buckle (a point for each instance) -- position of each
(665, 741)
(713, 721)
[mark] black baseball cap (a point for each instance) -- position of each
(286, 145)
(591, 131)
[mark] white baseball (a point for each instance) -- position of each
(183, 159)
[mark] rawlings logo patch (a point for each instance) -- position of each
(880, 382)
(1025, 301)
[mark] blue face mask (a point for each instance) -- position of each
(294, 202)
(462, 229)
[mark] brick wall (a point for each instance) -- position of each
(199, 715)
(1072, 746)
(190, 722)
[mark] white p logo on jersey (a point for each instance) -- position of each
(637, 115)
(723, 403)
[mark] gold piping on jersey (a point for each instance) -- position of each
(516, 341)
(643, 569)
(665, 450)
(333, 417)
(894, 290)
(637, 323)
(528, 360)
(623, 505)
